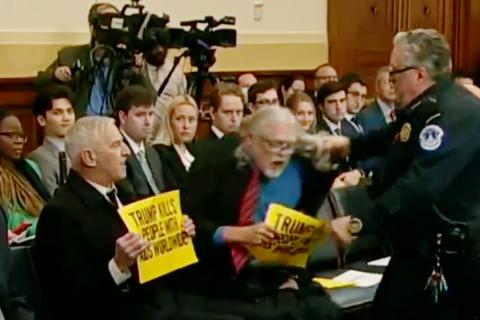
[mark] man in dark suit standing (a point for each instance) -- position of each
(134, 107)
(12, 306)
(229, 194)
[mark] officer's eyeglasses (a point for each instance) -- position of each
(393, 71)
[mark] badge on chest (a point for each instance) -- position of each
(405, 132)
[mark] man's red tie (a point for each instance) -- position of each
(248, 207)
(393, 116)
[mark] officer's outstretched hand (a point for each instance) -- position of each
(338, 147)
(341, 230)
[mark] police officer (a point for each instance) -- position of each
(427, 195)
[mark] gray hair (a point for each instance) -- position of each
(86, 132)
(426, 48)
(258, 122)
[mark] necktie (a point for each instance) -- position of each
(357, 126)
(147, 171)
(112, 196)
(337, 131)
(248, 206)
(393, 117)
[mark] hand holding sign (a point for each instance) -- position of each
(189, 226)
(256, 234)
(127, 249)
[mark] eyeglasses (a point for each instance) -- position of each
(15, 136)
(394, 71)
(267, 102)
(277, 146)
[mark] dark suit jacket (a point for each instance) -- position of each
(174, 171)
(213, 195)
(322, 126)
(135, 185)
(12, 304)
(32, 177)
(371, 118)
(349, 130)
(76, 237)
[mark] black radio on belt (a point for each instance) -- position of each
(454, 235)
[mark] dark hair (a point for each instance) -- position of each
(328, 89)
(93, 12)
(259, 87)
(296, 98)
(4, 113)
(223, 89)
(348, 79)
(133, 96)
(44, 100)
(288, 81)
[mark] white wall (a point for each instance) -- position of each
(279, 16)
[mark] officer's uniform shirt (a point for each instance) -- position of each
(433, 157)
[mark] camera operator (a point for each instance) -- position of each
(155, 71)
(91, 70)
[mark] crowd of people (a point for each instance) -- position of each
(413, 144)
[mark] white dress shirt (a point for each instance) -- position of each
(118, 276)
(386, 110)
(217, 132)
(185, 156)
(334, 127)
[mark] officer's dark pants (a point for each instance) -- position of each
(402, 294)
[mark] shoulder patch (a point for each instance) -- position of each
(431, 137)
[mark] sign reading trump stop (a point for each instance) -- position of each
(159, 220)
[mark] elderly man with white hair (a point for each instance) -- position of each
(229, 193)
(85, 253)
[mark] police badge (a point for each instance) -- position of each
(405, 132)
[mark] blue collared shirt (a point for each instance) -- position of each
(286, 190)
(100, 103)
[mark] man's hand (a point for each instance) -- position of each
(347, 179)
(63, 73)
(341, 229)
(127, 249)
(338, 147)
(189, 226)
(250, 235)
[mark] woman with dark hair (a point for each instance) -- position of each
(22, 193)
(303, 108)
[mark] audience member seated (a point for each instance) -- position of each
(156, 68)
(134, 107)
(229, 193)
(90, 70)
(333, 107)
(226, 109)
(53, 109)
(85, 255)
(262, 94)
(12, 305)
(22, 193)
(323, 73)
(175, 149)
(290, 85)
(303, 108)
(382, 111)
(354, 86)
(245, 81)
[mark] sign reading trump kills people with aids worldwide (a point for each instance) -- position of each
(159, 220)
(297, 235)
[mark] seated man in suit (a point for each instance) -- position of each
(331, 100)
(262, 94)
(226, 108)
(53, 109)
(134, 112)
(379, 114)
(382, 111)
(229, 194)
(355, 101)
(12, 305)
(85, 255)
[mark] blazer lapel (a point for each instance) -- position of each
(155, 164)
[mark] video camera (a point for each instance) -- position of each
(140, 31)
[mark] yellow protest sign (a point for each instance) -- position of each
(159, 220)
(298, 234)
